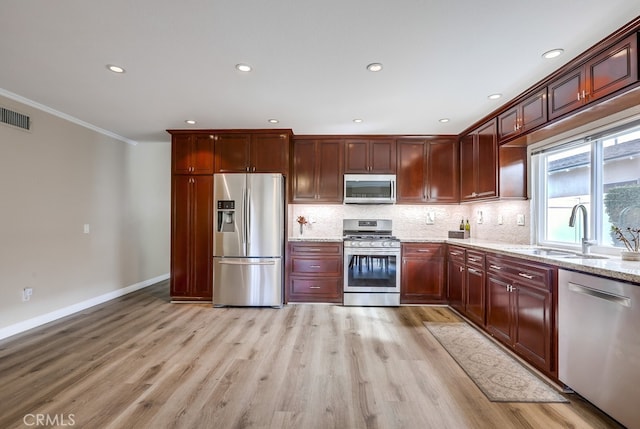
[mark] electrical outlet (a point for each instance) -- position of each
(500, 219)
(26, 293)
(431, 218)
(520, 219)
(86, 228)
(480, 219)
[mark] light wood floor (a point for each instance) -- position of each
(141, 362)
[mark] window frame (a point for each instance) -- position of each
(596, 213)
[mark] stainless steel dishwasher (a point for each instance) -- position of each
(599, 342)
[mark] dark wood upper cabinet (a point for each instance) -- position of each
(479, 163)
(443, 171)
(252, 152)
(192, 153)
(513, 172)
(523, 117)
(427, 170)
(370, 156)
(317, 171)
(606, 73)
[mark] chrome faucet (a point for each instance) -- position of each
(586, 243)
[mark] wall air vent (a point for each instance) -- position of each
(15, 119)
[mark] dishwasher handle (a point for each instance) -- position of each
(584, 290)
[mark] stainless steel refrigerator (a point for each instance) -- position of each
(248, 242)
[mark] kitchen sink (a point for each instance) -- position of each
(555, 253)
(585, 256)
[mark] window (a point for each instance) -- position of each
(601, 172)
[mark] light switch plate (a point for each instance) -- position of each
(520, 219)
(431, 218)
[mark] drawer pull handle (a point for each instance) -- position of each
(314, 249)
(471, 270)
(424, 250)
(495, 267)
(526, 276)
(474, 259)
(455, 253)
(314, 266)
(314, 287)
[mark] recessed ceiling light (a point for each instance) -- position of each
(273, 121)
(357, 121)
(190, 122)
(552, 53)
(374, 67)
(494, 96)
(115, 69)
(444, 120)
(243, 67)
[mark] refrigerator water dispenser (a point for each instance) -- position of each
(226, 216)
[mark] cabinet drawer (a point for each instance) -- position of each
(475, 259)
(522, 271)
(316, 248)
(456, 253)
(320, 286)
(327, 266)
(422, 249)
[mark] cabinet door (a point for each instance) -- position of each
(191, 237)
(382, 156)
(192, 153)
(508, 123)
(467, 170)
(532, 327)
(533, 111)
(304, 174)
(356, 156)
(412, 171)
(181, 226)
(233, 152)
(442, 171)
(513, 172)
(499, 308)
(614, 69)
(565, 93)
(474, 303)
(486, 161)
(422, 277)
(455, 278)
(270, 153)
(329, 171)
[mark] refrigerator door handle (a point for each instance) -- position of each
(247, 263)
(248, 224)
(244, 219)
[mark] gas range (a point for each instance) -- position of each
(371, 261)
(371, 233)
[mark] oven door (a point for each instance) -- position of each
(371, 270)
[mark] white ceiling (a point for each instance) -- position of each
(442, 58)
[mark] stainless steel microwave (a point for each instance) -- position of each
(369, 188)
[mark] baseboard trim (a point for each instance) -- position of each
(34, 322)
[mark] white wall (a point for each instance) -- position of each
(53, 180)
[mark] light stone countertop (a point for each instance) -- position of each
(612, 267)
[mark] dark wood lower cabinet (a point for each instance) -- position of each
(520, 309)
(422, 276)
(475, 287)
(456, 277)
(191, 238)
(314, 272)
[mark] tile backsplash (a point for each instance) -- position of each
(411, 221)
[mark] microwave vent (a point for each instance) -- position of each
(15, 119)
